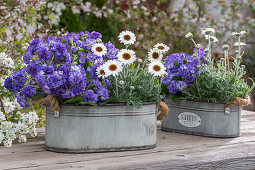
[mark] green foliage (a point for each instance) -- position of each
(139, 86)
(108, 27)
(217, 87)
(70, 21)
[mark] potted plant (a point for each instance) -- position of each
(206, 99)
(88, 85)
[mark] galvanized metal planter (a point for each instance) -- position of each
(204, 119)
(81, 128)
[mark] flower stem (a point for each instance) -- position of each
(116, 84)
(2, 105)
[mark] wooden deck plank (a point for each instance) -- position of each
(174, 151)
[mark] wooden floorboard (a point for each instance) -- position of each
(173, 151)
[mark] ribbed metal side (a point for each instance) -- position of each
(213, 120)
(81, 129)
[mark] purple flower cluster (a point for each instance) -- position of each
(64, 67)
(182, 69)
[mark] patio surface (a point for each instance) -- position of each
(173, 151)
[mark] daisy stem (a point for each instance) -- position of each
(225, 56)
(227, 59)
(138, 67)
(116, 84)
(152, 81)
(104, 82)
(144, 62)
(194, 42)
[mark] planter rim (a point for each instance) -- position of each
(196, 101)
(110, 104)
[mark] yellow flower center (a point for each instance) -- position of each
(102, 72)
(155, 55)
(113, 67)
(161, 47)
(99, 49)
(156, 68)
(126, 56)
(127, 37)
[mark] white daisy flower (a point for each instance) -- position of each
(112, 67)
(154, 55)
(161, 48)
(100, 71)
(208, 31)
(156, 68)
(126, 56)
(212, 38)
(236, 44)
(127, 37)
(99, 49)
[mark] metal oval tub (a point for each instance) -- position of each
(204, 119)
(82, 128)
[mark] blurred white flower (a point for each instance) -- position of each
(236, 44)
(208, 31)
(212, 38)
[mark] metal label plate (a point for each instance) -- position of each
(189, 119)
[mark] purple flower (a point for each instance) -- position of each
(68, 94)
(79, 88)
(33, 47)
(74, 49)
(19, 79)
(48, 69)
(8, 84)
(60, 50)
(111, 51)
(103, 93)
(44, 53)
(22, 102)
(28, 91)
(90, 96)
(33, 68)
(27, 57)
(75, 77)
(95, 35)
(54, 80)
(182, 70)
(180, 85)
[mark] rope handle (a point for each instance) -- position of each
(52, 101)
(243, 102)
(163, 110)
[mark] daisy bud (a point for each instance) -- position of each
(98, 40)
(236, 52)
(198, 46)
(206, 50)
(121, 82)
(189, 36)
(243, 67)
(225, 47)
(132, 87)
(140, 60)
